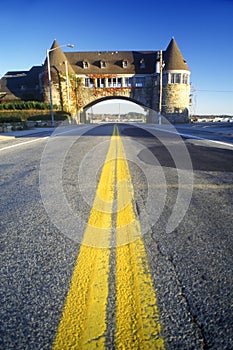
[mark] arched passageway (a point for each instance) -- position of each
(114, 109)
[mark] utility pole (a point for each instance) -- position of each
(67, 86)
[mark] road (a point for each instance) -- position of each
(117, 238)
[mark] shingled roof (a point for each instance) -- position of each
(173, 58)
(113, 62)
(57, 59)
(12, 83)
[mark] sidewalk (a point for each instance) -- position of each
(21, 133)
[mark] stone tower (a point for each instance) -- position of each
(176, 84)
(61, 71)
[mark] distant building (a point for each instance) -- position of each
(81, 79)
(22, 85)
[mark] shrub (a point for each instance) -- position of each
(21, 105)
(14, 116)
(58, 115)
(10, 119)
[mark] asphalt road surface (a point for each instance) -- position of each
(117, 237)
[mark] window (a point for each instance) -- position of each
(115, 82)
(124, 64)
(119, 82)
(142, 63)
(102, 64)
(185, 79)
(140, 82)
(128, 82)
(89, 82)
(175, 78)
(85, 64)
(100, 82)
(110, 82)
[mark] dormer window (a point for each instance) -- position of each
(142, 63)
(124, 64)
(85, 64)
(102, 64)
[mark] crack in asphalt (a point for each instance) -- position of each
(195, 322)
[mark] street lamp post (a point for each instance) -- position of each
(50, 80)
(160, 66)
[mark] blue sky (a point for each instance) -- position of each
(203, 30)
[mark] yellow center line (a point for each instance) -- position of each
(137, 315)
(83, 324)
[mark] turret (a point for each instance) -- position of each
(60, 70)
(58, 61)
(176, 83)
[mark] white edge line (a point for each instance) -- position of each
(23, 143)
(194, 137)
(38, 139)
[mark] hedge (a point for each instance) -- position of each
(10, 120)
(58, 115)
(25, 105)
(23, 116)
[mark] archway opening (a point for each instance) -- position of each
(117, 110)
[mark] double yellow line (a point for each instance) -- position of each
(83, 324)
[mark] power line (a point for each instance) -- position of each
(225, 91)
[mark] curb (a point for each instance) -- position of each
(23, 133)
(6, 137)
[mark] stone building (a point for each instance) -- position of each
(159, 80)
